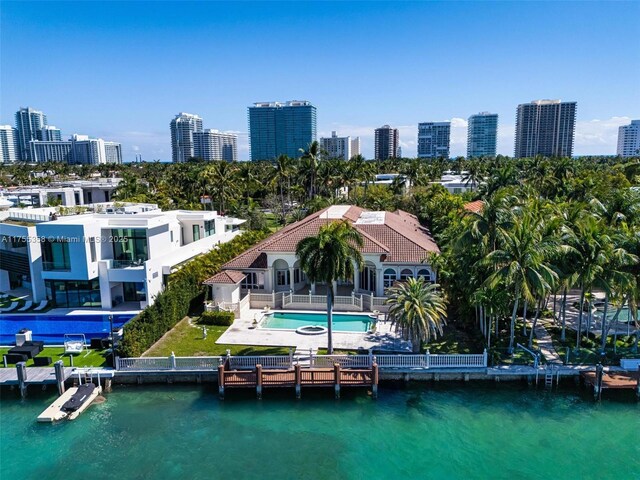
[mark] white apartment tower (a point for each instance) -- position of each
(8, 144)
(183, 126)
(629, 139)
(214, 145)
(340, 147)
(29, 124)
(50, 133)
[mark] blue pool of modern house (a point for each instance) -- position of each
(51, 329)
(293, 321)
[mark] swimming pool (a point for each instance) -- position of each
(51, 328)
(623, 317)
(293, 321)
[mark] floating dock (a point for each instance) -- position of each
(54, 412)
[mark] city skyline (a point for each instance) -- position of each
(131, 103)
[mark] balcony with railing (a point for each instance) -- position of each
(48, 266)
(127, 263)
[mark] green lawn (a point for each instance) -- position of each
(88, 358)
(186, 340)
(273, 223)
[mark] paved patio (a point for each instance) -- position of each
(242, 332)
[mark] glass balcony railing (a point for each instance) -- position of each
(55, 267)
(128, 263)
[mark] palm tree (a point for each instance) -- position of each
(522, 265)
(283, 176)
(330, 256)
(310, 159)
(417, 310)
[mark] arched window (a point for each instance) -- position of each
(424, 273)
(390, 277)
(405, 273)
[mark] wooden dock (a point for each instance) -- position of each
(601, 380)
(297, 377)
(23, 377)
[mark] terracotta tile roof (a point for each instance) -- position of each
(475, 207)
(397, 235)
(226, 276)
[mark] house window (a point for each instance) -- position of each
(253, 281)
(282, 277)
(196, 233)
(209, 228)
(405, 273)
(134, 292)
(389, 277)
(55, 255)
(129, 246)
(368, 279)
(73, 293)
(297, 277)
(424, 273)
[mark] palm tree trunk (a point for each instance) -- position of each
(563, 335)
(604, 330)
(533, 326)
(512, 334)
(284, 214)
(330, 318)
(489, 336)
(524, 318)
(579, 333)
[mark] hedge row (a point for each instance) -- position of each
(183, 293)
(221, 318)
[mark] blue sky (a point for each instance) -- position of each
(122, 70)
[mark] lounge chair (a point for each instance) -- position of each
(10, 308)
(13, 358)
(41, 306)
(27, 305)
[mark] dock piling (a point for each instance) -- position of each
(58, 368)
(374, 374)
(259, 381)
(336, 374)
(298, 375)
(21, 368)
(221, 381)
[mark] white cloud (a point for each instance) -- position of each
(598, 137)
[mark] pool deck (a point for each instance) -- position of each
(242, 332)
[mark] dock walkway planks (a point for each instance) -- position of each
(35, 375)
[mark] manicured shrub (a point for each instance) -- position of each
(184, 292)
(224, 319)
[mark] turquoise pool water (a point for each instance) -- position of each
(341, 322)
(436, 432)
(625, 314)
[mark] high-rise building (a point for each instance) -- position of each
(387, 143)
(629, 139)
(40, 152)
(281, 128)
(433, 139)
(545, 127)
(78, 150)
(183, 126)
(50, 133)
(340, 147)
(29, 124)
(482, 133)
(214, 145)
(8, 144)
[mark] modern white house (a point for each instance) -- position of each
(111, 255)
(68, 193)
(395, 247)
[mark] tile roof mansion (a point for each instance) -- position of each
(395, 247)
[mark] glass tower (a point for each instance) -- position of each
(281, 128)
(482, 132)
